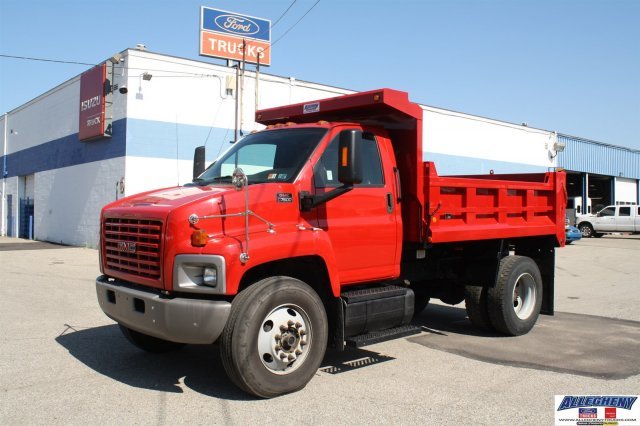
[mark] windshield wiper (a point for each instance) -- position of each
(203, 182)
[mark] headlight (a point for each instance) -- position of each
(199, 273)
(210, 276)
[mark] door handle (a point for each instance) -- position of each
(389, 203)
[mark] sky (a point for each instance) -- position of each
(571, 66)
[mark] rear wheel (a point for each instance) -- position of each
(149, 343)
(275, 337)
(420, 298)
(586, 229)
(515, 300)
(475, 301)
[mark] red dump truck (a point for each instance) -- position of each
(326, 228)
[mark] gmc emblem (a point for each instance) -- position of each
(126, 247)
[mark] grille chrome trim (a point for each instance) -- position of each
(133, 246)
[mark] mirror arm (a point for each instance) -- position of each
(308, 201)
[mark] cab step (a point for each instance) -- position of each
(383, 335)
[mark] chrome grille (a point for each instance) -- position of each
(133, 246)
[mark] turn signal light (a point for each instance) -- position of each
(345, 157)
(199, 238)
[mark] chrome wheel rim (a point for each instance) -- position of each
(524, 296)
(284, 339)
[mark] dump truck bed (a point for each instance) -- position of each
(465, 208)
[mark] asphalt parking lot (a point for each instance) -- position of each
(62, 361)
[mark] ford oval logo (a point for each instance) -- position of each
(237, 24)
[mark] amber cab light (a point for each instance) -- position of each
(199, 238)
(345, 157)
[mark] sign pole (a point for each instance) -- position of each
(235, 139)
(244, 57)
(257, 82)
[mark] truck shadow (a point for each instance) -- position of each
(441, 320)
(577, 344)
(196, 367)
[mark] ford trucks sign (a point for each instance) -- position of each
(91, 124)
(229, 35)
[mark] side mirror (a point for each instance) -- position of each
(350, 157)
(198, 161)
(239, 179)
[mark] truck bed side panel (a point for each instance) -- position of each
(464, 208)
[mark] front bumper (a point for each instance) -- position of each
(179, 320)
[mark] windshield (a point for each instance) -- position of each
(271, 156)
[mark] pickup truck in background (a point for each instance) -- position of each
(623, 219)
(328, 227)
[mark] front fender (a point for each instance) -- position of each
(299, 241)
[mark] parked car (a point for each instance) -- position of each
(623, 219)
(573, 234)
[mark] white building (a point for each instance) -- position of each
(158, 109)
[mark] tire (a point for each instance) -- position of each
(420, 304)
(515, 300)
(149, 343)
(475, 301)
(275, 337)
(420, 298)
(586, 229)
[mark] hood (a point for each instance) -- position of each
(159, 203)
(172, 197)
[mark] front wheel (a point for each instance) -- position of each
(275, 337)
(515, 300)
(586, 229)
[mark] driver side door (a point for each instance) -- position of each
(364, 223)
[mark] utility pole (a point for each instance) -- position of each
(244, 57)
(3, 221)
(257, 82)
(236, 134)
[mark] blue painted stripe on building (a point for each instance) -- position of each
(66, 151)
(457, 165)
(156, 139)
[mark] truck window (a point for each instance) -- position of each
(252, 159)
(625, 211)
(326, 170)
(609, 211)
(268, 156)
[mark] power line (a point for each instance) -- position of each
(46, 60)
(290, 28)
(294, 25)
(283, 13)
